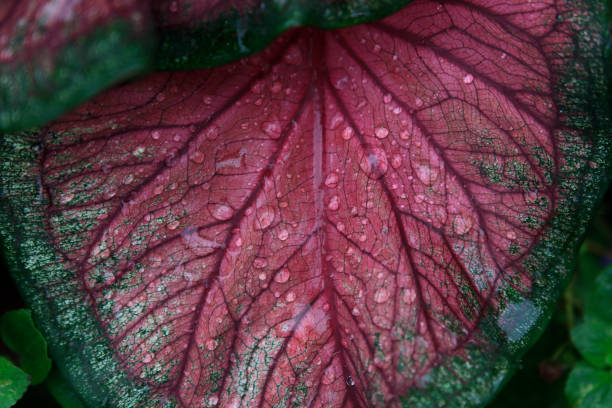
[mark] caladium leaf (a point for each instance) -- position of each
(373, 216)
(201, 34)
(55, 54)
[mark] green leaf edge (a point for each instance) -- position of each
(21, 336)
(106, 55)
(96, 374)
(18, 376)
(234, 35)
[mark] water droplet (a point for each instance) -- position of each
(283, 235)
(293, 55)
(128, 178)
(290, 297)
(336, 120)
(331, 180)
(173, 225)
(462, 224)
(207, 100)
(350, 382)
(381, 132)
(381, 295)
(211, 344)
(334, 204)
(347, 133)
(160, 97)
(264, 217)
(426, 174)
(221, 212)
(375, 163)
(511, 235)
(197, 157)
(213, 400)
(212, 132)
(326, 307)
(377, 48)
(155, 134)
(468, 79)
(396, 161)
(418, 102)
(276, 87)
(272, 128)
(404, 134)
(260, 263)
(147, 358)
(257, 87)
(66, 198)
(282, 276)
(355, 311)
(262, 276)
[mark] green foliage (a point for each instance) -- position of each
(13, 383)
(62, 391)
(22, 337)
(590, 383)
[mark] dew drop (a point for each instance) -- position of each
(173, 225)
(147, 358)
(155, 134)
(334, 204)
(336, 120)
(197, 157)
(387, 98)
(264, 217)
(290, 297)
(381, 295)
(347, 133)
(293, 55)
(381, 132)
(221, 212)
(405, 134)
(511, 235)
(418, 102)
(331, 180)
(276, 87)
(283, 235)
(260, 263)
(326, 307)
(262, 276)
(211, 344)
(374, 164)
(377, 48)
(350, 382)
(212, 401)
(207, 100)
(426, 174)
(66, 198)
(396, 161)
(282, 276)
(355, 312)
(462, 224)
(468, 79)
(329, 376)
(272, 129)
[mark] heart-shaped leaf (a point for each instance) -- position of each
(374, 216)
(55, 54)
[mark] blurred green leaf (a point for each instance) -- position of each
(61, 390)
(13, 383)
(21, 336)
(589, 387)
(593, 338)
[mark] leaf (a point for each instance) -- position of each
(201, 34)
(22, 337)
(62, 391)
(589, 387)
(593, 337)
(375, 216)
(13, 383)
(55, 54)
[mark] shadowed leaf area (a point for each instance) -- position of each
(366, 217)
(56, 54)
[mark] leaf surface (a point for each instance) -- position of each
(21, 336)
(13, 383)
(200, 34)
(371, 216)
(55, 54)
